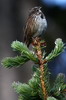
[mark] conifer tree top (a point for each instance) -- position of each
(38, 87)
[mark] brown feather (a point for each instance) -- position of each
(30, 29)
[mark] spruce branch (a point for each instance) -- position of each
(37, 44)
(31, 90)
(14, 61)
(51, 98)
(23, 50)
(59, 48)
(59, 86)
(25, 56)
(21, 88)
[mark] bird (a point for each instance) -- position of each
(35, 25)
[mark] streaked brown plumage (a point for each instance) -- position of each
(35, 25)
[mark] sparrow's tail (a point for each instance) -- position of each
(26, 41)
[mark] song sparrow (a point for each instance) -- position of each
(36, 24)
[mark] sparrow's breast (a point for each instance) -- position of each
(41, 25)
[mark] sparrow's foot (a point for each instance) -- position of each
(37, 40)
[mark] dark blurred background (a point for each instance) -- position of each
(13, 15)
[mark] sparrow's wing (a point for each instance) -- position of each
(30, 29)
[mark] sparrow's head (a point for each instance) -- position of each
(35, 10)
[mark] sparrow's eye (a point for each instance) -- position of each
(37, 10)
